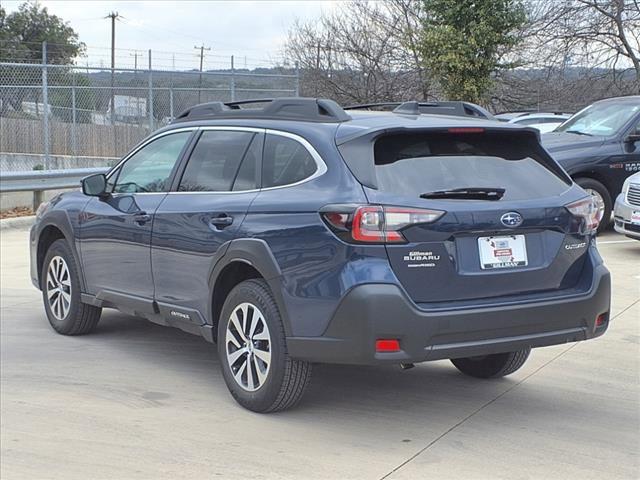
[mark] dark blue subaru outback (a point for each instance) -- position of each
(300, 233)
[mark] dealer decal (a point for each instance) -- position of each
(418, 259)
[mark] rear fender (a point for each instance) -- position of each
(256, 253)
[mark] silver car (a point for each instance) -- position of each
(627, 210)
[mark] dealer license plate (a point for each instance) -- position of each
(502, 252)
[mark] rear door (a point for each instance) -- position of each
(205, 210)
(481, 248)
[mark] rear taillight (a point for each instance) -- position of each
(587, 210)
(377, 223)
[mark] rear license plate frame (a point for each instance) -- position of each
(502, 252)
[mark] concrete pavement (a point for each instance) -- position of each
(139, 401)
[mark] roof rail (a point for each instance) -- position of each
(294, 108)
(369, 106)
(458, 109)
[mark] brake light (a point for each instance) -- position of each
(465, 130)
(377, 223)
(587, 210)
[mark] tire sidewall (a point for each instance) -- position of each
(257, 293)
(60, 248)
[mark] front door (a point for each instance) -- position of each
(115, 232)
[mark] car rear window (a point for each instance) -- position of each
(414, 164)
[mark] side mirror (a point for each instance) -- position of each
(633, 138)
(95, 185)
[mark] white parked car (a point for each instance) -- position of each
(543, 121)
(626, 213)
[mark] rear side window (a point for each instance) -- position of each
(414, 164)
(216, 162)
(285, 161)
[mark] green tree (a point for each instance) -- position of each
(21, 35)
(61, 99)
(463, 43)
(24, 30)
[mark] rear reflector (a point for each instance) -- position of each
(386, 346)
(601, 319)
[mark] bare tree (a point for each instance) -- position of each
(573, 53)
(569, 54)
(363, 52)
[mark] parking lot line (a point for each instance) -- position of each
(616, 241)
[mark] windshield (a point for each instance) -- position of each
(600, 119)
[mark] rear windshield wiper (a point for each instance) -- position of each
(467, 193)
(578, 132)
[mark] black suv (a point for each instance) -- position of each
(300, 233)
(600, 148)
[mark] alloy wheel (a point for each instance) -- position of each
(248, 346)
(59, 288)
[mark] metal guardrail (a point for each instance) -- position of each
(40, 180)
(37, 181)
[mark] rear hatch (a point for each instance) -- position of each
(505, 229)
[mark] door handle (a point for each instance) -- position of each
(221, 221)
(141, 218)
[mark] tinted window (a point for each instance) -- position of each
(215, 161)
(247, 175)
(285, 161)
(149, 169)
(415, 164)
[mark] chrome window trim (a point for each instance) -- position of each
(321, 166)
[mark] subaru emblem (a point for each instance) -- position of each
(511, 219)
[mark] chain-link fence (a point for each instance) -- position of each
(84, 112)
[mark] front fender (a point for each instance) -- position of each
(60, 220)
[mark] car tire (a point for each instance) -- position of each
(253, 353)
(492, 366)
(595, 187)
(60, 284)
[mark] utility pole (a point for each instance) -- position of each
(202, 49)
(135, 61)
(135, 76)
(113, 16)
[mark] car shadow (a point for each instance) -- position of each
(434, 390)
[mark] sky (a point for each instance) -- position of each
(253, 31)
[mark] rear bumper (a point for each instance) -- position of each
(382, 311)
